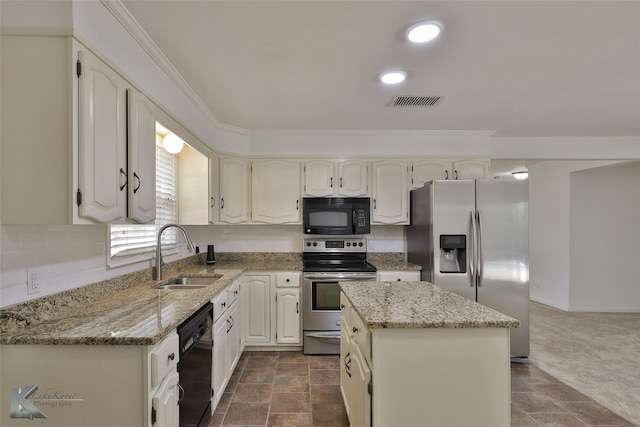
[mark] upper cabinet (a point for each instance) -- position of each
(116, 150)
(70, 151)
(233, 206)
(390, 192)
(275, 192)
(431, 169)
(325, 178)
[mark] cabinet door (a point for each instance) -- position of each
(398, 276)
(233, 336)
(318, 178)
(257, 322)
(472, 169)
(353, 178)
(429, 170)
(220, 364)
(234, 190)
(360, 407)
(345, 365)
(165, 403)
(390, 192)
(288, 316)
(102, 156)
(214, 189)
(142, 159)
(275, 195)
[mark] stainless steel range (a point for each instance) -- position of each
(327, 262)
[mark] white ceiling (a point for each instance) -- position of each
(520, 68)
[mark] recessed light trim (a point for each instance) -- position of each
(393, 77)
(424, 31)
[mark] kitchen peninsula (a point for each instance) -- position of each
(414, 354)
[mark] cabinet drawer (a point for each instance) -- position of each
(164, 358)
(233, 292)
(288, 280)
(361, 335)
(399, 276)
(220, 304)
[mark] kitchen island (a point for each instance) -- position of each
(414, 354)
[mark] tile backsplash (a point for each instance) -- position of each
(70, 256)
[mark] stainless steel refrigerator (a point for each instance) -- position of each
(472, 237)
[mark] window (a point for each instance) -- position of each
(135, 242)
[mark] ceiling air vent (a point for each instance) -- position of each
(415, 101)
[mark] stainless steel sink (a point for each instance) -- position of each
(186, 282)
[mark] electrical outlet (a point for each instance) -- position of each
(34, 276)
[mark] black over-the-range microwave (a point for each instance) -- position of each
(336, 215)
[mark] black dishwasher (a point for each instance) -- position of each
(194, 368)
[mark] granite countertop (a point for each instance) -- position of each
(138, 315)
(419, 305)
(129, 310)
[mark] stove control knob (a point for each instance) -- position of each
(315, 243)
(360, 244)
(348, 244)
(308, 243)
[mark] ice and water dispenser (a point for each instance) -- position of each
(453, 253)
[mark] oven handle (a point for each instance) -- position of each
(334, 277)
(323, 336)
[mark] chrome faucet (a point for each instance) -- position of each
(190, 247)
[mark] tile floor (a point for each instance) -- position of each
(292, 389)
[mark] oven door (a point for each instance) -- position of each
(321, 310)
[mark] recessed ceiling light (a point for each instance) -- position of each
(424, 31)
(393, 77)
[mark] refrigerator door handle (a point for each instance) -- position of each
(480, 265)
(473, 262)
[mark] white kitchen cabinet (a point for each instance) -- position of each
(257, 313)
(390, 201)
(355, 373)
(234, 190)
(328, 178)
(119, 385)
(165, 403)
(234, 326)
(275, 192)
(398, 275)
(472, 168)
(220, 370)
(116, 153)
(288, 316)
(272, 314)
(214, 188)
(141, 160)
(64, 137)
(415, 376)
(227, 346)
(431, 169)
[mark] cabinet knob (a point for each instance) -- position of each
(341, 306)
(172, 356)
(355, 330)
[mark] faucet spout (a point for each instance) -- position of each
(190, 247)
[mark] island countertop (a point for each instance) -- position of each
(419, 305)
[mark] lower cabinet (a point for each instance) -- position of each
(273, 309)
(98, 385)
(398, 275)
(227, 344)
(419, 376)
